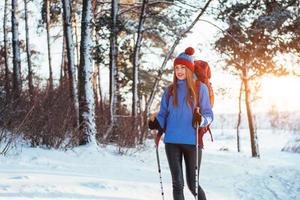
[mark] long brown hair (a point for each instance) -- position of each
(190, 83)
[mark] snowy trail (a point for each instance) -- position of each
(84, 173)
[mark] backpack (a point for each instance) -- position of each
(203, 73)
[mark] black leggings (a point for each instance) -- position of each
(175, 152)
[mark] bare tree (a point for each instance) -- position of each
(253, 134)
(7, 79)
(239, 119)
(48, 44)
(63, 60)
(75, 27)
(17, 82)
(28, 53)
(136, 55)
(112, 67)
(87, 125)
(101, 100)
(71, 58)
(96, 75)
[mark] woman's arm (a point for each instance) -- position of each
(163, 111)
(205, 108)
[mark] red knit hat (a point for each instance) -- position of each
(186, 58)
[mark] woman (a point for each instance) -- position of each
(176, 119)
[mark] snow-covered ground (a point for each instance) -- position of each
(86, 173)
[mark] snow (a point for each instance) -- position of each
(101, 173)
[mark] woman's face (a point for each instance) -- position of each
(180, 72)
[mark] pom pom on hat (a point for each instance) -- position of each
(189, 51)
(186, 58)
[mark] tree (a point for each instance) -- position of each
(17, 82)
(250, 44)
(112, 67)
(6, 56)
(98, 60)
(47, 17)
(28, 53)
(87, 127)
(239, 119)
(71, 58)
(75, 27)
(135, 62)
(136, 97)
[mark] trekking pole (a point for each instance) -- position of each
(197, 159)
(159, 171)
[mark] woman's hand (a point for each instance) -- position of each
(153, 123)
(152, 117)
(197, 118)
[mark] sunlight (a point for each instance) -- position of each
(283, 92)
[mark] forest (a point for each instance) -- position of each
(104, 84)
(80, 81)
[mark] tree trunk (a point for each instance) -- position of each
(97, 64)
(77, 44)
(135, 81)
(239, 119)
(168, 56)
(30, 82)
(71, 58)
(144, 123)
(113, 67)
(99, 90)
(253, 134)
(118, 94)
(63, 61)
(17, 82)
(95, 84)
(135, 62)
(6, 57)
(74, 25)
(87, 126)
(48, 44)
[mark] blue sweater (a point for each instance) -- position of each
(178, 120)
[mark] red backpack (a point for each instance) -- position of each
(203, 73)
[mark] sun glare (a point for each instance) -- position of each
(282, 92)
